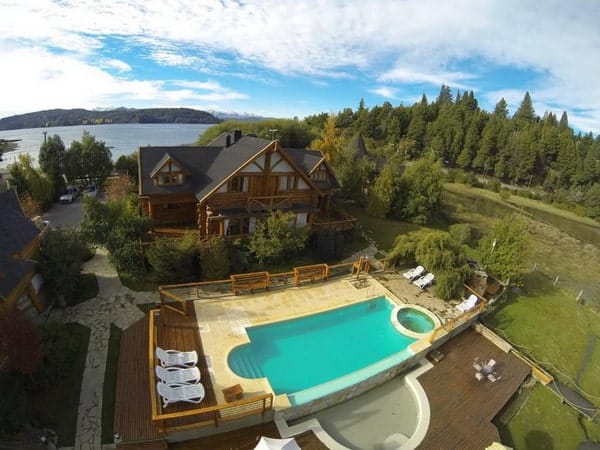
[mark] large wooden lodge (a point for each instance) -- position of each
(223, 188)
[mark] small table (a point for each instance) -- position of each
(233, 393)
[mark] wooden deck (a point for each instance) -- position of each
(246, 439)
(462, 408)
(133, 416)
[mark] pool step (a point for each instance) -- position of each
(246, 367)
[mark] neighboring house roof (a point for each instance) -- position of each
(16, 232)
(210, 165)
(357, 143)
(12, 270)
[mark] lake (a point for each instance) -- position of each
(123, 139)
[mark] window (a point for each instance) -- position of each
(287, 182)
(169, 179)
(237, 226)
(320, 174)
(239, 184)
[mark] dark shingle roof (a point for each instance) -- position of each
(16, 230)
(208, 166)
(307, 160)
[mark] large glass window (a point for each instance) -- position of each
(287, 182)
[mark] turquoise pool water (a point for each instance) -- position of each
(415, 320)
(322, 349)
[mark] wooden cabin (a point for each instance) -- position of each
(225, 187)
(19, 243)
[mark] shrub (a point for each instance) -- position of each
(493, 185)
(505, 194)
(461, 232)
(214, 258)
(173, 259)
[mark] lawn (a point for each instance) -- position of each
(543, 422)
(547, 324)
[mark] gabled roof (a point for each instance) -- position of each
(16, 230)
(309, 160)
(357, 144)
(163, 161)
(208, 166)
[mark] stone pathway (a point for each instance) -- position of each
(114, 304)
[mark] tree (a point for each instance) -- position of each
(383, 196)
(88, 160)
(214, 258)
(276, 236)
(51, 160)
(525, 113)
(421, 187)
(128, 165)
(502, 252)
(62, 253)
(173, 259)
(592, 201)
(440, 253)
(118, 226)
(330, 142)
(27, 179)
(119, 187)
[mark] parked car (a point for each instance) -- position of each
(70, 195)
(91, 190)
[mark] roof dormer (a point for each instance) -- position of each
(169, 172)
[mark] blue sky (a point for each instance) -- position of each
(285, 58)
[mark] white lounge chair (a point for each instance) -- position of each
(414, 273)
(425, 280)
(468, 303)
(177, 376)
(169, 358)
(191, 393)
(492, 377)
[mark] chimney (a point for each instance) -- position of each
(227, 140)
(237, 135)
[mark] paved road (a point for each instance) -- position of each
(65, 215)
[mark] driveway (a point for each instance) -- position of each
(69, 214)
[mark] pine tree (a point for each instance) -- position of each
(525, 113)
(564, 121)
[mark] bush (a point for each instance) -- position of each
(461, 232)
(493, 185)
(214, 258)
(505, 194)
(173, 259)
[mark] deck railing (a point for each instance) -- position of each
(197, 417)
(175, 296)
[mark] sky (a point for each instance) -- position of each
(282, 58)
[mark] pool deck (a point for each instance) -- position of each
(222, 322)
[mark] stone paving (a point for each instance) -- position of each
(114, 304)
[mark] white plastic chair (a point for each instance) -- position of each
(191, 393)
(169, 358)
(177, 376)
(468, 303)
(414, 273)
(425, 280)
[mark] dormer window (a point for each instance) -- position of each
(320, 174)
(169, 172)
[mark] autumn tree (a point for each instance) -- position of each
(330, 142)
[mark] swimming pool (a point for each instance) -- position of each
(414, 320)
(322, 353)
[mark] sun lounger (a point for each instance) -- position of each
(177, 376)
(479, 376)
(425, 280)
(169, 358)
(191, 393)
(468, 303)
(415, 273)
(491, 364)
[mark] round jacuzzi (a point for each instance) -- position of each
(414, 321)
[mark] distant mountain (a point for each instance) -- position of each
(232, 115)
(67, 117)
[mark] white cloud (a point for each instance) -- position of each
(406, 75)
(385, 92)
(116, 64)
